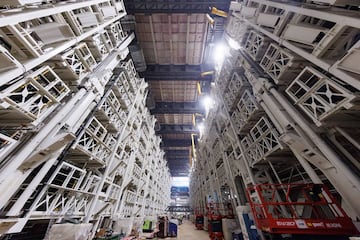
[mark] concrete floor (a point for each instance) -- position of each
(187, 231)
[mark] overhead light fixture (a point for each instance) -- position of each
(207, 102)
(180, 181)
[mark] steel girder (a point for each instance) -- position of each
(179, 174)
(174, 6)
(177, 108)
(183, 162)
(175, 73)
(177, 152)
(176, 142)
(169, 128)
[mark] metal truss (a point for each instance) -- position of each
(261, 141)
(76, 115)
(297, 108)
(35, 37)
(329, 34)
(33, 98)
(256, 44)
(281, 64)
(75, 64)
(247, 112)
(319, 97)
(69, 192)
(175, 73)
(116, 33)
(100, 45)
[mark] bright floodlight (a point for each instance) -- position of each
(201, 128)
(208, 103)
(220, 52)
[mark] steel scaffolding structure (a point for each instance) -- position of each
(287, 109)
(77, 141)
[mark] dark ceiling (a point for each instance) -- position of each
(176, 39)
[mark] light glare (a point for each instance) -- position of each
(201, 128)
(233, 44)
(208, 103)
(220, 52)
(180, 181)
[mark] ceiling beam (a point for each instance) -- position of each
(177, 108)
(179, 6)
(187, 40)
(182, 166)
(177, 170)
(176, 142)
(176, 157)
(177, 152)
(178, 160)
(170, 39)
(171, 128)
(179, 173)
(153, 37)
(156, 72)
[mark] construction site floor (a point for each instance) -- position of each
(187, 231)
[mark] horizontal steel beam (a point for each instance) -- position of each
(182, 174)
(174, 73)
(180, 166)
(184, 164)
(176, 142)
(177, 159)
(179, 171)
(178, 108)
(179, 174)
(174, 6)
(171, 128)
(177, 152)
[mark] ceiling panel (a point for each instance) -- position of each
(174, 45)
(173, 39)
(174, 91)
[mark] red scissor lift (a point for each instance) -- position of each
(298, 209)
(199, 218)
(216, 212)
